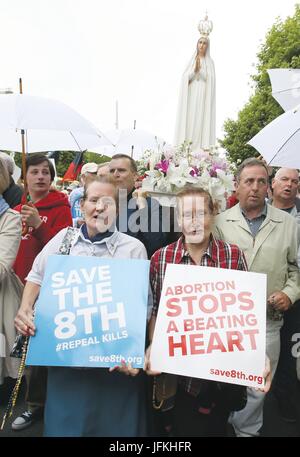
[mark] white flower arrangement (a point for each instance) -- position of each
(170, 171)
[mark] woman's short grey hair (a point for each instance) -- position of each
(4, 177)
(8, 161)
(107, 179)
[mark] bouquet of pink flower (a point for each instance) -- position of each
(171, 170)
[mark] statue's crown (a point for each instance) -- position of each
(205, 26)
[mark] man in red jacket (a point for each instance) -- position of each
(44, 213)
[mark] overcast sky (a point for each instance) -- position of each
(90, 53)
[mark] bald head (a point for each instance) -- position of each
(285, 187)
(291, 172)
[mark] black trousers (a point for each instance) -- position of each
(285, 381)
(188, 422)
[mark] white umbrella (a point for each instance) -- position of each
(285, 86)
(279, 141)
(48, 125)
(49, 140)
(133, 142)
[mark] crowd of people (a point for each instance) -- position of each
(110, 219)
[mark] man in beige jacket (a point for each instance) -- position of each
(268, 237)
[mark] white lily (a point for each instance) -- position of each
(227, 179)
(179, 175)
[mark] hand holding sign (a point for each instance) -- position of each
(147, 364)
(267, 377)
(126, 369)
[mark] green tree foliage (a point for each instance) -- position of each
(66, 157)
(63, 162)
(280, 50)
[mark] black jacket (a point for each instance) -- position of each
(149, 225)
(13, 194)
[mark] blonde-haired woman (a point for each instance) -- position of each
(10, 286)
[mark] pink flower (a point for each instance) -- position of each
(215, 167)
(195, 172)
(162, 166)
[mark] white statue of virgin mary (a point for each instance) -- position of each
(196, 114)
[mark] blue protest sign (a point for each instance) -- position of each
(76, 210)
(91, 312)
